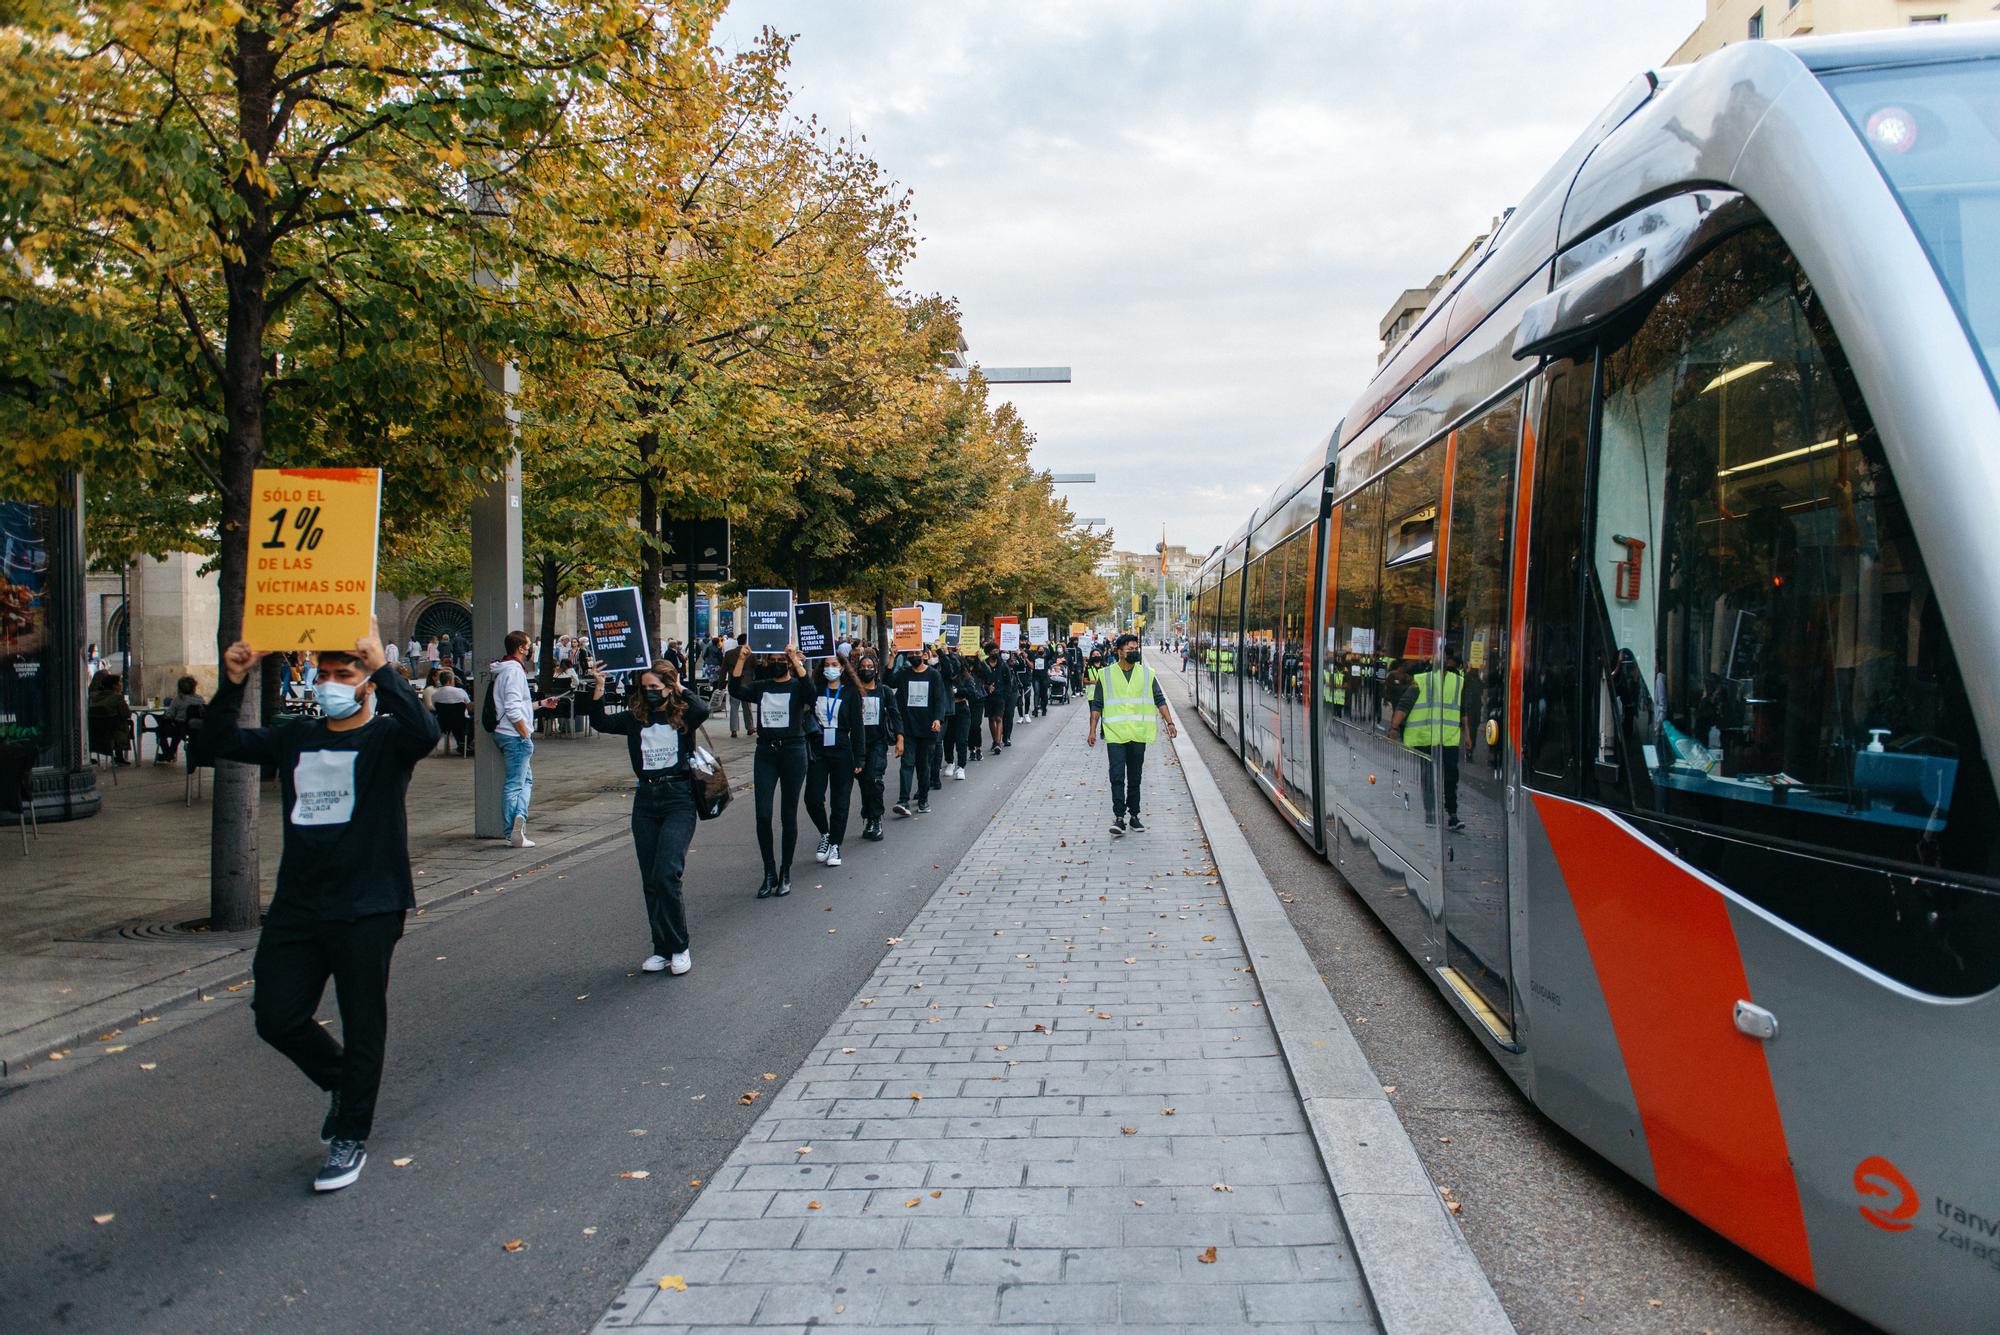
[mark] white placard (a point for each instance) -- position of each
(1010, 636)
(933, 620)
(1038, 630)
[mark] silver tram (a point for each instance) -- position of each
(1678, 518)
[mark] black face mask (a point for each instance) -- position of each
(655, 696)
(1131, 655)
(866, 672)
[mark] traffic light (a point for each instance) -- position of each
(1146, 603)
(1139, 622)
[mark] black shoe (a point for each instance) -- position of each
(872, 832)
(332, 1116)
(975, 753)
(343, 1165)
(923, 808)
(1136, 823)
(1007, 744)
(1454, 824)
(784, 883)
(1117, 825)
(769, 887)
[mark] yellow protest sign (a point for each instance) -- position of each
(906, 629)
(312, 557)
(968, 639)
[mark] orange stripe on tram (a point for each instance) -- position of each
(1667, 960)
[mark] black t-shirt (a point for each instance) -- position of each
(347, 844)
(656, 750)
(788, 712)
(919, 695)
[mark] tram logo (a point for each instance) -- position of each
(1875, 1176)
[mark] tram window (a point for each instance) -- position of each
(1412, 538)
(1476, 602)
(1773, 658)
(1407, 620)
(1549, 696)
(1351, 630)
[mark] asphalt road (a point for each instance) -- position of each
(529, 1066)
(1570, 1243)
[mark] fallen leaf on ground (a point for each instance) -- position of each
(104, 1218)
(770, 1075)
(803, 1149)
(999, 1047)
(1137, 1201)
(847, 1049)
(148, 1066)
(812, 1205)
(590, 1232)
(911, 1202)
(916, 1098)
(694, 1181)
(1041, 1029)
(149, 1019)
(637, 1174)
(404, 1162)
(57, 1056)
(1388, 1089)
(514, 1246)
(1128, 1130)
(106, 1038)
(1208, 938)
(750, 1096)
(674, 1282)
(1207, 1257)
(1166, 1112)
(117, 1047)
(894, 941)
(1220, 1186)
(937, 1195)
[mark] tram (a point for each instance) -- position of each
(1632, 647)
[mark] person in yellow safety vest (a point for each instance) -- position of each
(1129, 706)
(1431, 713)
(1336, 684)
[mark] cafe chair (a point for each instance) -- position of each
(106, 736)
(17, 770)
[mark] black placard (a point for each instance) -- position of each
(770, 628)
(815, 622)
(617, 629)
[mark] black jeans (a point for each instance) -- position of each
(917, 748)
(1128, 766)
(663, 820)
(957, 729)
(828, 809)
(1041, 695)
(873, 770)
(940, 748)
(293, 961)
(780, 772)
(1450, 754)
(1007, 712)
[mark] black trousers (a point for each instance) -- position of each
(1128, 766)
(779, 772)
(940, 747)
(1041, 695)
(873, 770)
(663, 820)
(1450, 754)
(1007, 712)
(917, 748)
(957, 729)
(293, 962)
(829, 790)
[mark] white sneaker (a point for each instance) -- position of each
(819, 854)
(654, 963)
(517, 836)
(833, 855)
(680, 963)
(958, 772)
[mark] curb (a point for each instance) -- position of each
(1418, 1269)
(26, 1049)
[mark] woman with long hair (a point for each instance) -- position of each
(658, 726)
(781, 696)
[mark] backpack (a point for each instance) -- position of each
(489, 713)
(708, 783)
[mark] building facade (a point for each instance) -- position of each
(1748, 20)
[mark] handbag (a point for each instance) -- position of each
(709, 785)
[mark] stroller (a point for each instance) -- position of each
(1058, 689)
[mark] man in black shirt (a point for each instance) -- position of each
(344, 876)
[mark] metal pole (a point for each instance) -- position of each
(497, 606)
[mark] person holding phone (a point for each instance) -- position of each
(780, 696)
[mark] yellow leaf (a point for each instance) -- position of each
(104, 1218)
(812, 1205)
(403, 1162)
(514, 1246)
(120, 1047)
(149, 1066)
(638, 1175)
(1207, 1257)
(674, 1282)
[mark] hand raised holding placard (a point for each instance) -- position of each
(238, 659)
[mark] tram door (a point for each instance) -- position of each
(1473, 771)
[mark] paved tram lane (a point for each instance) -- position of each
(523, 1067)
(1569, 1243)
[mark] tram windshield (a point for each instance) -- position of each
(1934, 131)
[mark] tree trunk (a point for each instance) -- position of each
(882, 623)
(802, 574)
(234, 876)
(550, 573)
(649, 535)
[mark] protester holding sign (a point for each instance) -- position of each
(832, 758)
(658, 726)
(881, 726)
(919, 695)
(344, 879)
(783, 697)
(1000, 704)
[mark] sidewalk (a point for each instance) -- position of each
(86, 939)
(1060, 1103)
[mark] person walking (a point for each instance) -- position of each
(1128, 706)
(513, 732)
(832, 759)
(978, 681)
(881, 727)
(344, 879)
(946, 663)
(1000, 704)
(966, 713)
(781, 698)
(658, 726)
(1039, 665)
(1429, 712)
(740, 709)
(919, 693)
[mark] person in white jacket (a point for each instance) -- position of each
(515, 705)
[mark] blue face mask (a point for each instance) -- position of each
(336, 698)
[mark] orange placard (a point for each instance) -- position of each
(311, 582)
(906, 629)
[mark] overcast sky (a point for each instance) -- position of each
(1203, 208)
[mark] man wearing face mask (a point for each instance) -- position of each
(1130, 706)
(782, 696)
(1000, 704)
(832, 759)
(514, 705)
(919, 692)
(344, 879)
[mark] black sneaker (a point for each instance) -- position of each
(1454, 824)
(872, 832)
(1136, 823)
(332, 1116)
(975, 753)
(923, 808)
(769, 887)
(1117, 825)
(343, 1165)
(784, 883)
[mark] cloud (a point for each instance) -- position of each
(1203, 208)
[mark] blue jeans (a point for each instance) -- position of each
(519, 787)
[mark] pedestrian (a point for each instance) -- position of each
(391, 654)
(513, 732)
(658, 726)
(1000, 704)
(1039, 665)
(946, 663)
(881, 727)
(978, 680)
(919, 694)
(782, 696)
(966, 712)
(1129, 705)
(739, 708)
(1430, 711)
(344, 879)
(833, 758)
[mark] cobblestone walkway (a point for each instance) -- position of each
(1057, 1106)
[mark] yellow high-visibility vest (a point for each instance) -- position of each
(1129, 713)
(1336, 686)
(1434, 718)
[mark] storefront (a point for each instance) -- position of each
(42, 651)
